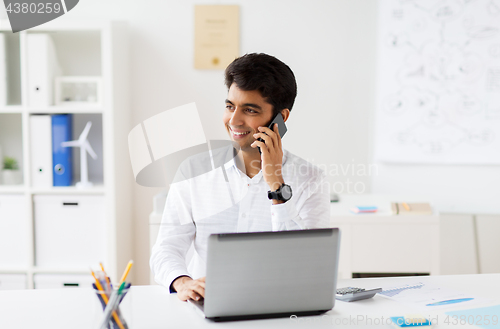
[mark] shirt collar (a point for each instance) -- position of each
(232, 163)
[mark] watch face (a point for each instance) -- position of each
(286, 192)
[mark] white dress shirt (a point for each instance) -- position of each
(226, 200)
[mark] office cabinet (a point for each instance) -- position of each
(14, 247)
(58, 281)
(69, 230)
(59, 238)
(13, 281)
(470, 243)
(488, 243)
(387, 244)
(458, 244)
(382, 243)
(394, 248)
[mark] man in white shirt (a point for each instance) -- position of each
(270, 190)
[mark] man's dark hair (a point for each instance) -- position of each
(267, 74)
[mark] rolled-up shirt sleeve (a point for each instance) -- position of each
(176, 234)
(308, 208)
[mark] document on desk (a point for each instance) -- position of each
(484, 317)
(430, 297)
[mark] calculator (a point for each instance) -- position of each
(351, 294)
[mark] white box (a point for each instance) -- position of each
(14, 251)
(13, 281)
(70, 231)
(79, 90)
(57, 281)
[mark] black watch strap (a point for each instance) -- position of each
(283, 193)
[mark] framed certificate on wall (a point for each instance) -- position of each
(216, 36)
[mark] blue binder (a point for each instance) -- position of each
(61, 156)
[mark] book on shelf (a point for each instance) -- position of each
(404, 208)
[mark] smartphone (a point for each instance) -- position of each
(281, 127)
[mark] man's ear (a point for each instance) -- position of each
(285, 113)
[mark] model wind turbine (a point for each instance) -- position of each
(85, 147)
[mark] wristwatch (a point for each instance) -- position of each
(283, 193)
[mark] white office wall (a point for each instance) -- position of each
(452, 189)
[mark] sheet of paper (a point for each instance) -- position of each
(429, 297)
(484, 317)
(216, 36)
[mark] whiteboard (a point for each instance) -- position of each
(438, 82)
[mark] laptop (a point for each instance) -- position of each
(270, 274)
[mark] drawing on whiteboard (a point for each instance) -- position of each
(494, 7)
(495, 50)
(439, 81)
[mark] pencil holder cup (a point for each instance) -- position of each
(114, 309)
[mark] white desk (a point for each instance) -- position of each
(382, 242)
(153, 307)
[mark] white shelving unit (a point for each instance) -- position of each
(84, 48)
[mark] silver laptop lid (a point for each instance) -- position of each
(271, 272)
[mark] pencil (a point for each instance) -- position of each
(105, 298)
(114, 300)
(124, 276)
(105, 275)
(407, 207)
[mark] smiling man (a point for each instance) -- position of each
(270, 190)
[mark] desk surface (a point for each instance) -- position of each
(153, 307)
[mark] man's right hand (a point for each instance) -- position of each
(188, 288)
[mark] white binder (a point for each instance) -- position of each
(42, 68)
(3, 71)
(41, 150)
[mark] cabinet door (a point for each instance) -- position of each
(70, 231)
(391, 248)
(458, 246)
(58, 281)
(488, 227)
(13, 232)
(12, 281)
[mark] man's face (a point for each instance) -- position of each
(245, 112)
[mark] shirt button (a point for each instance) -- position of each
(243, 215)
